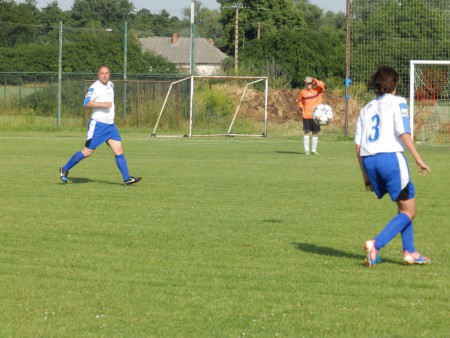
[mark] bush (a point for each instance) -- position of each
(212, 105)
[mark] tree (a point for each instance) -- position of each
(51, 15)
(156, 64)
(109, 13)
(165, 25)
(29, 40)
(299, 53)
(207, 22)
(393, 32)
(269, 15)
(16, 23)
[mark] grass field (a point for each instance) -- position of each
(223, 237)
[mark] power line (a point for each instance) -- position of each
(237, 6)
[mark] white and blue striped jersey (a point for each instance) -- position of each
(101, 93)
(381, 123)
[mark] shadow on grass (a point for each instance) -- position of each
(290, 152)
(273, 221)
(79, 180)
(326, 251)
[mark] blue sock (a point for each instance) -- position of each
(77, 157)
(408, 238)
(122, 165)
(395, 226)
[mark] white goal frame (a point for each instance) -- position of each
(252, 80)
(412, 89)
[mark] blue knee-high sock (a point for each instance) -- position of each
(408, 238)
(395, 226)
(77, 157)
(122, 165)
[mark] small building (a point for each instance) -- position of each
(177, 50)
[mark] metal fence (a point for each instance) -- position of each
(138, 99)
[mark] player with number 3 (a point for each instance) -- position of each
(382, 133)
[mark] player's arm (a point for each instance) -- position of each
(409, 144)
(365, 178)
(402, 127)
(90, 102)
(300, 101)
(319, 85)
(95, 104)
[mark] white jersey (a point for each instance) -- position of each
(381, 123)
(101, 93)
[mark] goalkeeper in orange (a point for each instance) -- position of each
(308, 99)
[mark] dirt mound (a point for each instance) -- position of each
(282, 106)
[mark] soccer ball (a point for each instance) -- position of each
(323, 114)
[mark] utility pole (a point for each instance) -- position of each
(237, 6)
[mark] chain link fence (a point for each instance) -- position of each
(138, 100)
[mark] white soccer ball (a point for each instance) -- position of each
(323, 114)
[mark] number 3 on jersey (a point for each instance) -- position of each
(375, 128)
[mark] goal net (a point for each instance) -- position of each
(387, 32)
(138, 102)
(215, 106)
(429, 99)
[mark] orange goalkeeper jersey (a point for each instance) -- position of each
(308, 99)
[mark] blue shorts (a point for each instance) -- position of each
(389, 173)
(99, 133)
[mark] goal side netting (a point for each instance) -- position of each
(429, 100)
(138, 102)
(215, 106)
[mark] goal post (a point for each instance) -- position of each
(429, 97)
(220, 106)
(166, 98)
(240, 102)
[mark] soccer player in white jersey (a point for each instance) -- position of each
(101, 127)
(382, 133)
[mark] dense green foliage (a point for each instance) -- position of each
(229, 237)
(29, 37)
(299, 53)
(33, 46)
(296, 36)
(270, 15)
(393, 32)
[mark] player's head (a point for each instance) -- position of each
(308, 81)
(384, 81)
(103, 74)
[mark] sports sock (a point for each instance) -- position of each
(77, 157)
(306, 143)
(396, 225)
(122, 165)
(315, 140)
(408, 238)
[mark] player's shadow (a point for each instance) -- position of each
(273, 220)
(80, 180)
(326, 251)
(289, 152)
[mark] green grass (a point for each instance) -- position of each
(223, 237)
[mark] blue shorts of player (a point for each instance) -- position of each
(98, 133)
(389, 173)
(310, 126)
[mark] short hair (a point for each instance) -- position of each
(384, 81)
(102, 66)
